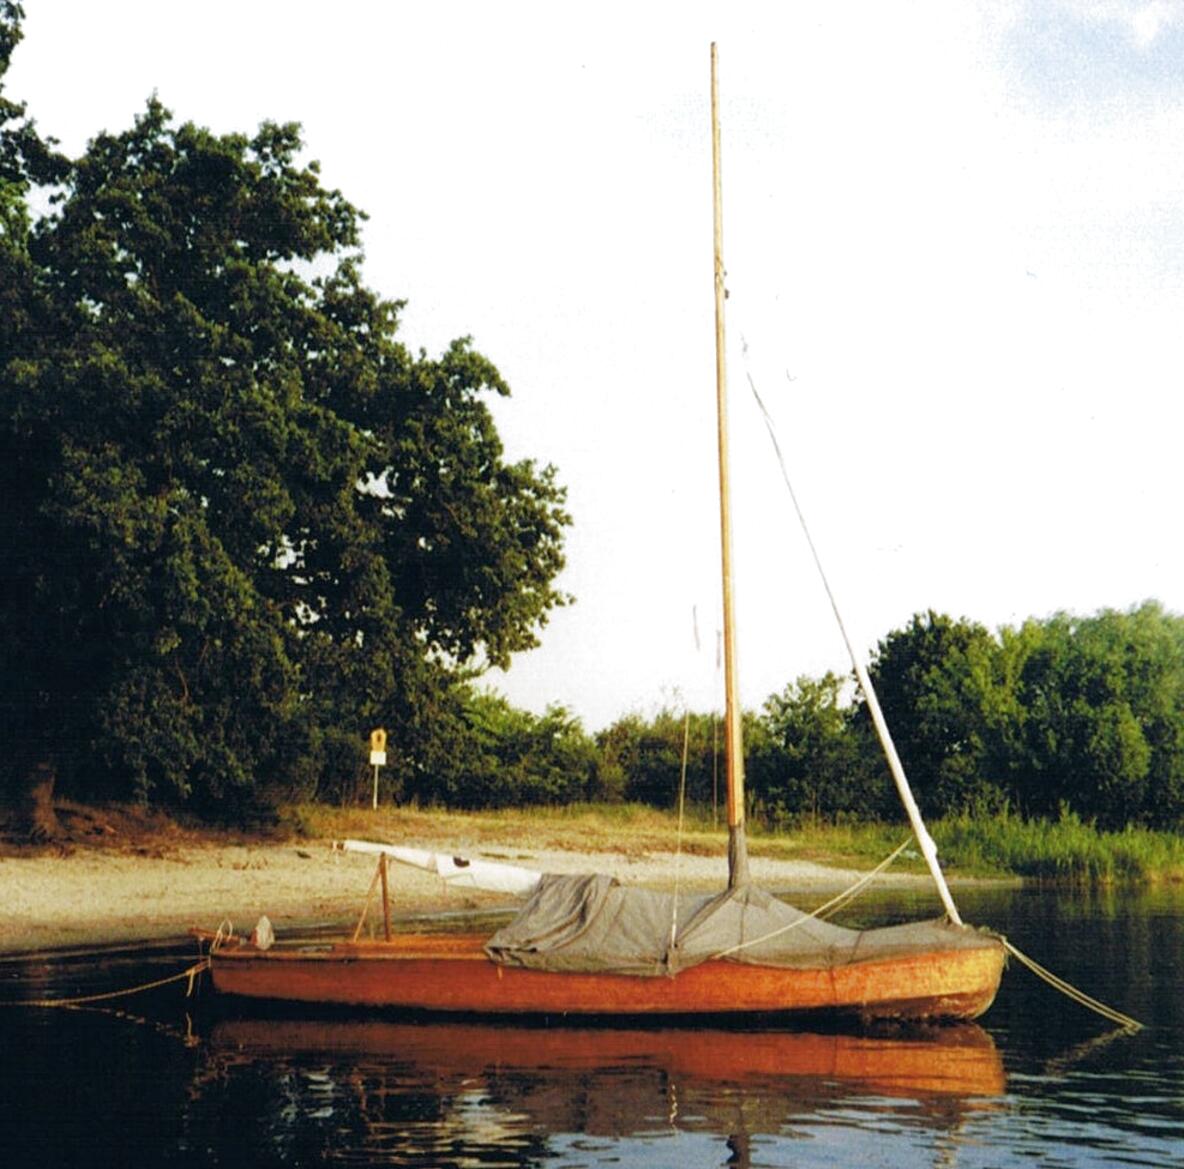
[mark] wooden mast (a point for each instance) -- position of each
(733, 734)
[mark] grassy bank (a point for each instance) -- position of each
(1066, 850)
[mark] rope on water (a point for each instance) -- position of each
(1078, 996)
(190, 973)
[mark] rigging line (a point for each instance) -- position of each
(923, 837)
(682, 798)
(924, 840)
(842, 900)
(826, 909)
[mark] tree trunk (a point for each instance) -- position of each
(35, 817)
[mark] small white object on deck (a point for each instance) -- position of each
(263, 935)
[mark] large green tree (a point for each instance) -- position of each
(239, 513)
(935, 681)
(1099, 721)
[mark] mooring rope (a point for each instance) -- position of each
(190, 973)
(1067, 989)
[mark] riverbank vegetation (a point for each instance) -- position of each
(1063, 720)
(1063, 850)
(1053, 751)
(244, 524)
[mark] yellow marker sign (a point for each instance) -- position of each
(377, 756)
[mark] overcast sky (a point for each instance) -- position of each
(953, 234)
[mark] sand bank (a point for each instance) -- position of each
(99, 897)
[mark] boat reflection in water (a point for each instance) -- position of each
(408, 1093)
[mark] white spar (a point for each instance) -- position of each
(491, 876)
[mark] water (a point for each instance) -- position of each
(160, 1079)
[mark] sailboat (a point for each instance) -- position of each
(585, 946)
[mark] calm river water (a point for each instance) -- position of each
(163, 1080)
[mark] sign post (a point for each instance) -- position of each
(377, 756)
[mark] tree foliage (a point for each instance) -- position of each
(673, 755)
(1066, 716)
(809, 757)
(933, 679)
(1078, 713)
(240, 515)
(501, 756)
(1100, 724)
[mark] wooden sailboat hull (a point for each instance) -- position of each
(453, 974)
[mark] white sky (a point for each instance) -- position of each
(953, 234)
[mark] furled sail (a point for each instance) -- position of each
(459, 871)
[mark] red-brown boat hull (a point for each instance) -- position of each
(453, 974)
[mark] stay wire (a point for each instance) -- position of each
(797, 507)
(1070, 991)
(682, 797)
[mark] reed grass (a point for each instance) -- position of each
(1067, 850)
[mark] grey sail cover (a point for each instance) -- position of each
(594, 924)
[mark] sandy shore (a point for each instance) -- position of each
(98, 897)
